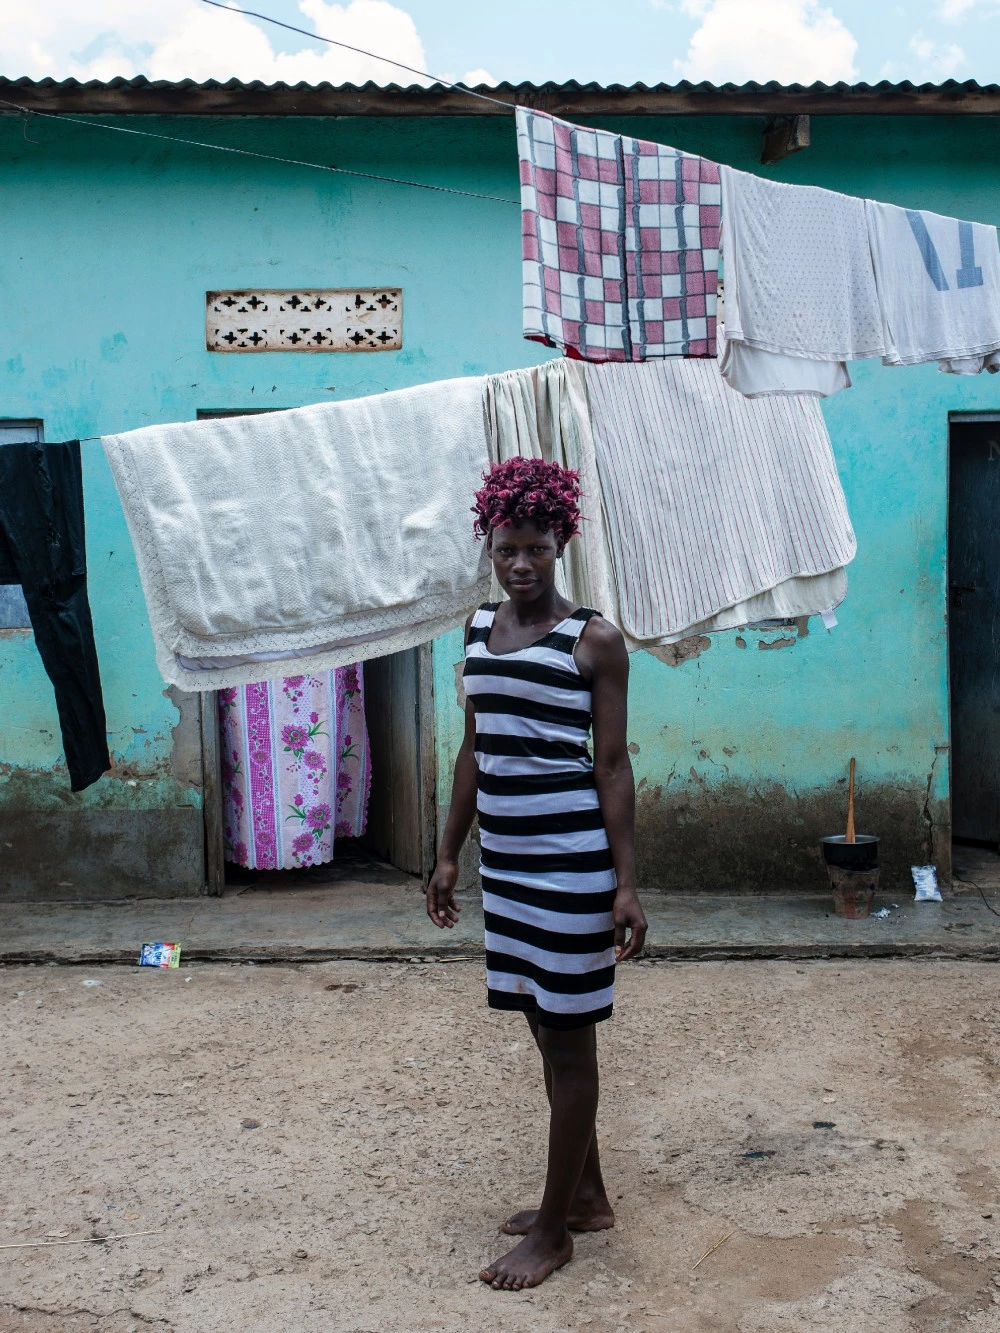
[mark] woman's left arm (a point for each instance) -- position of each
(602, 656)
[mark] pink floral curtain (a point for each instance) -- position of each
(296, 768)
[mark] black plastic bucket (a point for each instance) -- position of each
(859, 855)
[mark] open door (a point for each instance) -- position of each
(974, 626)
(400, 710)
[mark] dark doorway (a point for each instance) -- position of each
(400, 834)
(974, 626)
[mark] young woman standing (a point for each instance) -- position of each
(556, 829)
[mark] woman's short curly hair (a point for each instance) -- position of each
(524, 490)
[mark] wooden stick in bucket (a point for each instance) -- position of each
(850, 809)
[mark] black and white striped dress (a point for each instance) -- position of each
(548, 876)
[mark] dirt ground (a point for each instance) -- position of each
(331, 1147)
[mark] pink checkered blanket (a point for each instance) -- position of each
(620, 243)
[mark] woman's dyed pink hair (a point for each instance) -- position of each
(523, 490)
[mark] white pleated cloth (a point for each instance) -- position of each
(720, 509)
(544, 412)
(702, 510)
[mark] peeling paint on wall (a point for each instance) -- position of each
(185, 736)
(776, 643)
(686, 650)
(460, 684)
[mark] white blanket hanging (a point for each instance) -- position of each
(800, 286)
(307, 539)
(713, 500)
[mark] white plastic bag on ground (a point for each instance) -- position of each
(926, 885)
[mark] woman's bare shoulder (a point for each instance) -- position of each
(599, 630)
(602, 645)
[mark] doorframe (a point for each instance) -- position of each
(427, 759)
(211, 770)
(954, 419)
(211, 794)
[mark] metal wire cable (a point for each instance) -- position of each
(249, 152)
(27, 112)
(332, 41)
(982, 895)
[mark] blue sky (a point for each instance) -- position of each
(604, 40)
(642, 40)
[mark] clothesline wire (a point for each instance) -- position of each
(249, 152)
(962, 880)
(332, 41)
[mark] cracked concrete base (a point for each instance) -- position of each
(369, 920)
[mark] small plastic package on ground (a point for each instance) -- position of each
(884, 913)
(926, 885)
(160, 955)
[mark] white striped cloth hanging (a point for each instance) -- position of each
(712, 499)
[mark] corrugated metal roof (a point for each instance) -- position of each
(142, 96)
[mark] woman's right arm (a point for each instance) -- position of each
(442, 908)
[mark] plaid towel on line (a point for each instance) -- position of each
(620, 243)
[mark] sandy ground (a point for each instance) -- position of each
(330, 1147)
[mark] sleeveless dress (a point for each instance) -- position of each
(548, 876)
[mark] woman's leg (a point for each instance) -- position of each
(591, 1208)
(571, 1057)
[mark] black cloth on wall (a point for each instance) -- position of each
(42, 549)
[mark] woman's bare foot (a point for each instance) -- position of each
(529, 1263)
(589, 1215)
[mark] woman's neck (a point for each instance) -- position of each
(548, 606)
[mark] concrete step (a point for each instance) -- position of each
(371, 921)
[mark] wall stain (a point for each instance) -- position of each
(114, 348)
(694, 837)
(138, 832)
(55, 377)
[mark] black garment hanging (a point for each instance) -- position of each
(42, 549)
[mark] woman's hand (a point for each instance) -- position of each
(628, 916)
(442, 908)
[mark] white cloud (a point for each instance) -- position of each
(941, 61)
(793, 41)
(474, 76)
(182, 39)
(954, 10)
(927, 63)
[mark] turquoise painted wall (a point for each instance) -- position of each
(110, 243)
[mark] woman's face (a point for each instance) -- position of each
(524, 560)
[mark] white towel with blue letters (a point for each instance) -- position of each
(938, 282)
